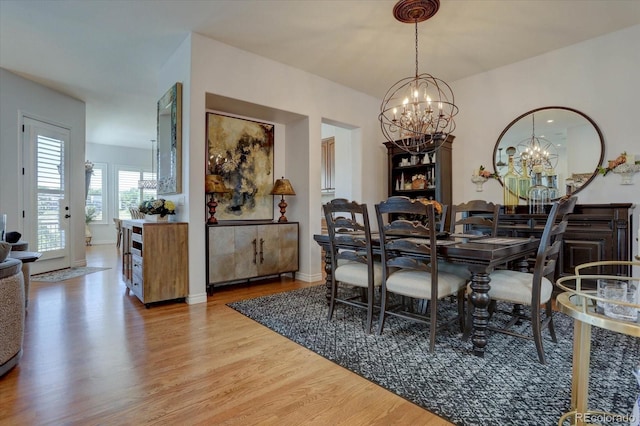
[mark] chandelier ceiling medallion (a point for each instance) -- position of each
(417, 112)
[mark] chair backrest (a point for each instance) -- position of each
(349, 232)
(398, 236)
(136, 213)
(475, 217)
(550, 244)
(441, 223)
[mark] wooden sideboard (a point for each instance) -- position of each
(155, 260)
(243, 251)
(595, 232)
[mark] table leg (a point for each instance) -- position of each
(580, 372)
(480, 300)
(328, 269)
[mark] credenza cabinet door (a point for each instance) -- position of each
(222, 252)
(288, 239)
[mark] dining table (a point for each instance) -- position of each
(481, 254)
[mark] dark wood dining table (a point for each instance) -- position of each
(481, 255)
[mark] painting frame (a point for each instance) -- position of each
(242, 152)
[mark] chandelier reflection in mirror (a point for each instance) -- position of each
(150, 183)
(417, 112)
(537, 152)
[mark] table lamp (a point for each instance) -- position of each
(282, 187)
(213, 185)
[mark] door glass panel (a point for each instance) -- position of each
(50, 196)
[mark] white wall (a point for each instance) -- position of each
(298, 100)
(598, 77)
(19, 97)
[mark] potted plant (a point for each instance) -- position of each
(90, 213)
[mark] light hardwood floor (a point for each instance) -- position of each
(94, 355)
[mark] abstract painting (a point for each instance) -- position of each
(241, 151)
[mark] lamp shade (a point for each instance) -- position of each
(214, 184)
(282, 187)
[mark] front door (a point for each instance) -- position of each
(46, 194)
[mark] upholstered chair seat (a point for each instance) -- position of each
(516, 287)
(356, 274)
(417, 284)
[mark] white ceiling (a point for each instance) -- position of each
(108, 53)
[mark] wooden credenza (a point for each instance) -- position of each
(595, 232)
(155, 260)
(243, 251)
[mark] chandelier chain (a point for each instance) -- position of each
(416, 48)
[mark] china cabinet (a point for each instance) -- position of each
(155, 260)
(423, 175)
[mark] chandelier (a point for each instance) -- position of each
(150, 183)
(538, 152)
(417, 112)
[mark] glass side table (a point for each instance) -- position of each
(581, 306)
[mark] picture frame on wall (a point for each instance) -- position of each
(241, 151)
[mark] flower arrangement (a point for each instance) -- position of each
(88, 167)
(417, 177)
(161, 206)
(482, 172)
(612, 164)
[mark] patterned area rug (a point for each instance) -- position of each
(506, 387)
(66, 274)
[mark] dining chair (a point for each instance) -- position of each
(475, 217)
(442, 220)
(352, 256)
(136, 213)
(404, 274)
(533, 288)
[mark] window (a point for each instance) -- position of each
(96, 199)
(129, 195)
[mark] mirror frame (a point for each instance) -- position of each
(533, 111)
(169, 154)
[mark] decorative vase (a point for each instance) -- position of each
(87, 234)
(626, 172)
(156, 218)
(479, 181)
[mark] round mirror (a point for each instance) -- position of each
(557, 147)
